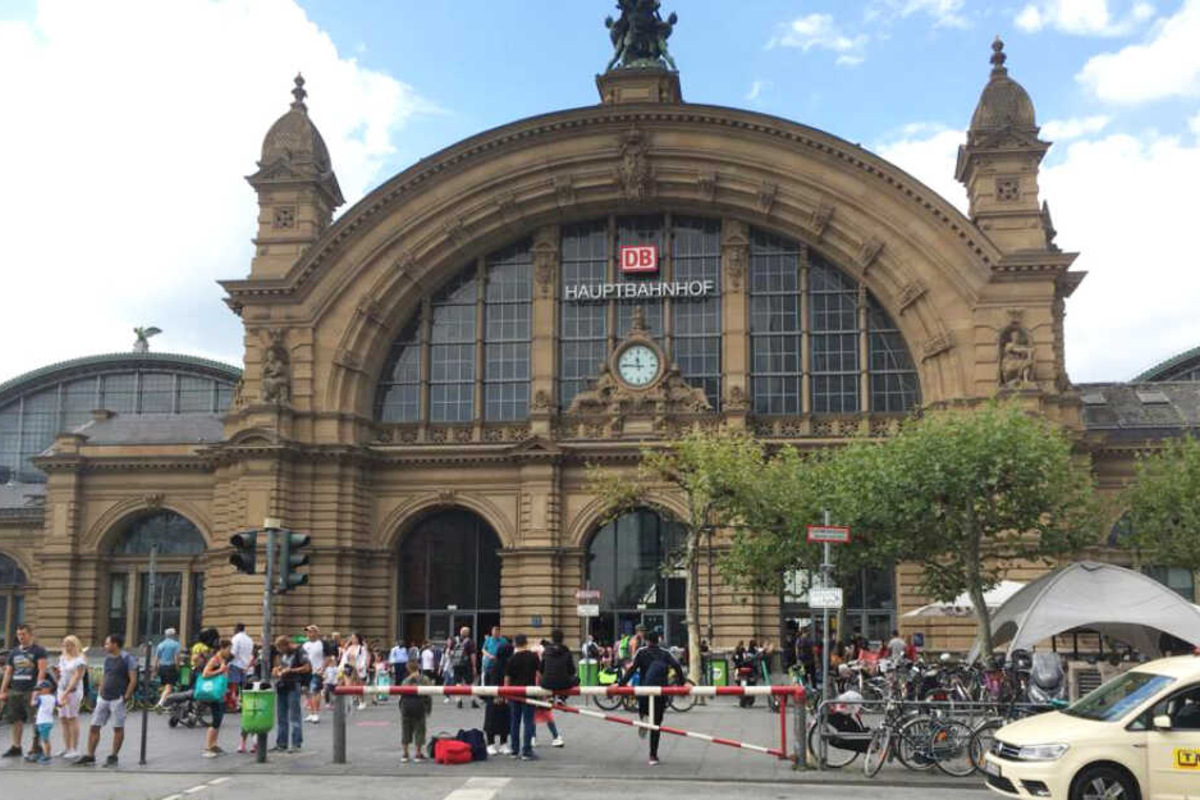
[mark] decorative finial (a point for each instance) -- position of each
(299, 93)
(142, 343)
(998, 58)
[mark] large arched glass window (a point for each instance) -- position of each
(819, 342)
(12, 599)
(466, 355)
(632, 561)
(156, 565)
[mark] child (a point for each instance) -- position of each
(413, 711)
(45, 701)
(331, 681)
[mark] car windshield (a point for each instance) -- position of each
(1118, 697)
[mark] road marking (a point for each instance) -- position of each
(195, 789)
(218, 781)
(478, 789)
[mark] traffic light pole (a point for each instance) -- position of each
(264, 666)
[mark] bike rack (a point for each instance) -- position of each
(546, 698)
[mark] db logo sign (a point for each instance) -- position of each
(639, 259)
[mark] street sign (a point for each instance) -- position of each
(830, 534)
(586, 595)
(639, 259)
(588, 610)
(825, 597)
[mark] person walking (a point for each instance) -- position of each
(413, 711)
(428, 660)
(398, 660)
(292, 672)
(216, 666)
(522, 670)
(463, 662)
(166, 663)
(354, 665)
(242, 649)
(314, 651)
(44, 702)
(558, 674)
(496, 710)
(24, 670)
(72, 666)
(120, 679)
(652, 665)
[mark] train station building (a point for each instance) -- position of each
(427, 377)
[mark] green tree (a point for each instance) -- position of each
(1164, 505)
(698, 469)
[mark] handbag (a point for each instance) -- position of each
(211, 690)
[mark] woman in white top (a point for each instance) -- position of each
(354, 664)
(71, 668)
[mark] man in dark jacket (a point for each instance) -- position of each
(558, 665)
(652, 664)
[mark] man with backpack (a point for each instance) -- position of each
(462, 662)
(558, 674)
(652, 665)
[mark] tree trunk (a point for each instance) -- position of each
(692, 565)
(975, 588)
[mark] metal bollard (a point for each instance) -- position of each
(339, 729)
(800, 728)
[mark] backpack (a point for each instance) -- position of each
(558, 668)
(452, 751)
(474, 738)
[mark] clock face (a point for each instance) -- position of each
(638, 365)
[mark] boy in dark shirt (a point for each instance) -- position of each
(522, 670)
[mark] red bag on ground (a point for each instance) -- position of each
(451, 751)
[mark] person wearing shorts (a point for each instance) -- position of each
(166, 655)
(71, 668)
(26, 668)
(120, 679)
(413, 711)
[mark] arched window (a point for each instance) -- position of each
(819, 342)
(631, 560)
(449, 577)
(156, 565)
(437, 369)
(12, 599)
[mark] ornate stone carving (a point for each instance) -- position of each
(564, 190)
(541, 402)
(507, 207)
(909, 294)
(868, 251)
(634, 172)
(1048, 227)
(545, 260)
(735, 265)
(456, 231)
(766, 196)
(736, 400)
(1017, 355)
(371, 311)
(1008, 189)
(446, 495)
(347, 360)
(154, 500)
(706, 182)
(819, 221)
(671, 395)
(936, 345)
(406, 265)
(239, 397)
(275, 385)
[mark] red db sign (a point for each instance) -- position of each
(639, 259)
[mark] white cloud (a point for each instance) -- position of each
(821, 31)
(1083, 17)
(945, 13)
(1059, 130)
(1166, 65)
(757, 88)
(129, 129)
(1125, 202)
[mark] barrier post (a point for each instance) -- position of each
(339, 729)
(822, 745)
(799, 729)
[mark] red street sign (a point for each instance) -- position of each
(828, 533)
(641, 258)
(583, 595)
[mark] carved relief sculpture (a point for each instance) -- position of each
(633, 170)
(1016, 359)
(275, 386)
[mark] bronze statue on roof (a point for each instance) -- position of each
(639, 35)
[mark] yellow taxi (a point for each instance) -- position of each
(1137, 737)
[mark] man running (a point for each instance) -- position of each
(652, 665)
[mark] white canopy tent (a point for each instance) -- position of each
(962, 606)
(1117, 602)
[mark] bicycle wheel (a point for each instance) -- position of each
(950, 744)
(681, 702)
(912, 743)
(877, 752)
(608, 702)
(982, 739)
(835, 757)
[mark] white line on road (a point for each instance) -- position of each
(218, 781)
(195, 789)
(478, 789)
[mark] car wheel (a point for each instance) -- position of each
(1104, 783)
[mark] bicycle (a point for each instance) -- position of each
(920, 742)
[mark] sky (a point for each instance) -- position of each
(129, 126)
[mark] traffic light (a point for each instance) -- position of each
(246, 544)
(290, 558)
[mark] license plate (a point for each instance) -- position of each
(991, 768)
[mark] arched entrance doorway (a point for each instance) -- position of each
(174, 547)
(630, 559)
(449, 577)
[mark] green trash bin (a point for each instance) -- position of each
(589, 672)
(718, 671)
(258, 710)
(185, 675)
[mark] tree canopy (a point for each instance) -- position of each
(1164, 506)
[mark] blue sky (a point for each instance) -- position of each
(136, 120)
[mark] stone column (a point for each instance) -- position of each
(544, 351)
(735, 356)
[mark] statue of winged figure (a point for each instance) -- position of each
(639, 36)
(142, 343)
